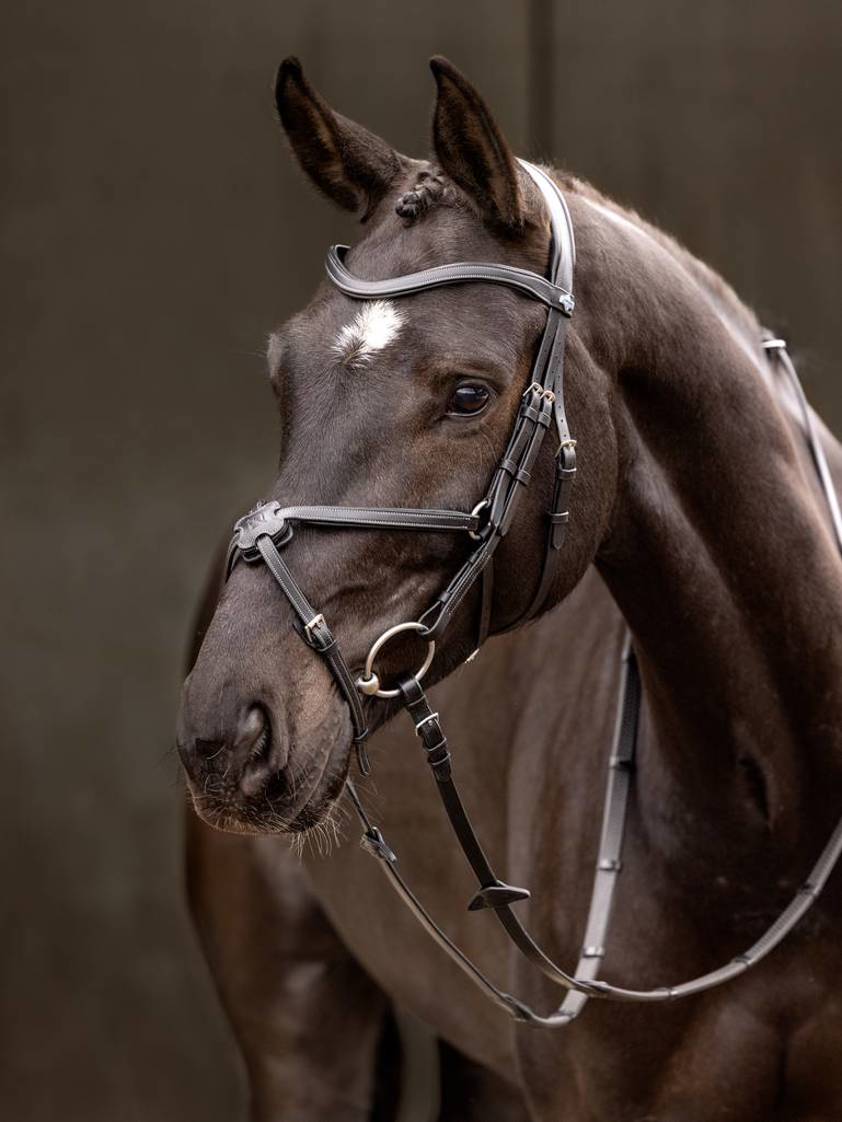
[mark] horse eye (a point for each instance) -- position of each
(468, 399)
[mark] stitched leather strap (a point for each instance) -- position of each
(495, 894)
(557, 520)
(460, 272)
(317, 634)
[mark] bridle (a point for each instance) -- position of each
(264, 531)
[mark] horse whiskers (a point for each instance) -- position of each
(367, 786)
(321, 837)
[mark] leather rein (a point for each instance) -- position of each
(264, 531)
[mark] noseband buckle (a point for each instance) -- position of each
(265, 520)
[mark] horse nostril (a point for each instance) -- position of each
(254, 735)
(248, 757)
(254, 746)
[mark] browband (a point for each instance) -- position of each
(555, 292)
(461, 272)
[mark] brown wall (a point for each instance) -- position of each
(153, 230)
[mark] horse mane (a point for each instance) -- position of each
(432, 188)
(716, 288)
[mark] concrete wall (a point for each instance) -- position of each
(153, 231)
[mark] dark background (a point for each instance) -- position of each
(154, 229)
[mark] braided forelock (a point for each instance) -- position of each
(430, 188)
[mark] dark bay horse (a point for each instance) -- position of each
(695, 521)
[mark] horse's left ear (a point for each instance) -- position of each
(472, 150)
(351, 165)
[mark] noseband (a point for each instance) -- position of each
(264, 531)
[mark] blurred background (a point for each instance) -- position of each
(153, 231)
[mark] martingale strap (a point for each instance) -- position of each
(494, 893)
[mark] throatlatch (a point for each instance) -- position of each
(265, 531)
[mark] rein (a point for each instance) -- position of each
(261, 534)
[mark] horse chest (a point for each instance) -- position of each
(764, 1050)
(385, 938)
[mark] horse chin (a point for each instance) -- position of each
(283, 806)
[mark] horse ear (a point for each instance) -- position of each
(348, 163)
(472, 150)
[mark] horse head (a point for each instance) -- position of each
(401, 402)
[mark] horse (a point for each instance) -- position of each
(698, 538)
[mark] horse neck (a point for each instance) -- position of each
(721, 560)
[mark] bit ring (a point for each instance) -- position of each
(369, 683)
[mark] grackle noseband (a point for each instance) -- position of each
(262, 533)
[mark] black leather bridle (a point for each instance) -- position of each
(267, 528)
(262, 533)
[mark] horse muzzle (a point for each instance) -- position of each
(249, 770)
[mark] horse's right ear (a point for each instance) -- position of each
(348, 163)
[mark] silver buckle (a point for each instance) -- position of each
(316, 622)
